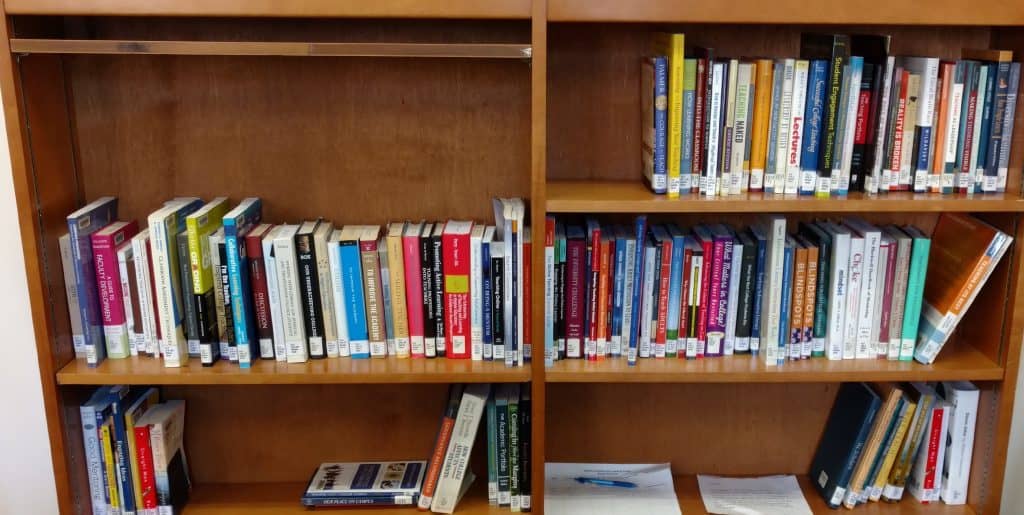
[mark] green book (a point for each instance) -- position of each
(920, 248)
(501, 439)
(513, 447)
(492, 451)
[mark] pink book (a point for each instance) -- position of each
(105, 244)
(414, 286)
(890, 277)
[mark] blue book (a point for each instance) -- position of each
(103, 413)
(122, 434)
(101, 398)
(81, 225)
(487, 300)
(993, 143)
(352, 282)
(640, 228)
(618, 289)
(773, 129)
(984, 109)
(846, 431)
(237, 223)
(787, 296)
(655, 132)
(817, 78)
(675, 293)
(761, 243)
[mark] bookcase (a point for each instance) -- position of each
(409, 109)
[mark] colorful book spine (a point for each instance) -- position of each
(675, 296)
(237, 223)
(671, 47)
(81, 225)
(550, 352)
(487, 295)
(199, 226)
(191, 318)
(759, 124)
(920, 249)
(105, 244)
(687, 169)
(413, 267)
(350, 259)
(456, 247)
(1006, 141)
(794, 139)
(165, 225)
(700, 124)
(813, 111)
(640, 230)
(786, 302)
(655, 99)
(68, 267)
(260, 290)
(337, 293)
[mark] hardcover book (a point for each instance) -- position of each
(843, 440)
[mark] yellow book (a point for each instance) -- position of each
(107, 442)
(893, 449)
(759, 127)
(671, 46)
(199, 225)
(396, 270)
(133, 413)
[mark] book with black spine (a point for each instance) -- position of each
(438, 293)
(309, 289)
(428, 285)
(835, 48)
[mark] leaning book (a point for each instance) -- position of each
(389, 483)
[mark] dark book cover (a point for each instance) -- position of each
(178, 481)
(745, 301)
(823, 241)
(556, 301)
(841, 443)
(858, 159)
(836, 49)
(437, 267)
(699, 120)
(191, 320)
(560, 292)
(260, 295)
(228, 331)
(1000, 95)
(498, 302)
(309, 290)
(525, 424)
(874, 49)
(575, 252)
(427, 282)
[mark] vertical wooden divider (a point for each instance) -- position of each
(538, 212)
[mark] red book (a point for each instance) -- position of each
(593, 279)
(663, 287)
(707, 244)
(684, 304)
(897, 140)
(455, 248)
(105, 245)
(936, 438)
(602, 298)
(144, 457)
(527, 298)
(575, 279)
(260, 295)
(890, 274)
(444, 435)
(610, 298)
(414, 287)
(698, 122)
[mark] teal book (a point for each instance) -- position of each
(843, 440)
(492, 449)
(237, 223)
(920, 248)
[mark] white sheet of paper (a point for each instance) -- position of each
(653, 495)
(768, 495)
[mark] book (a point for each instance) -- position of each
(388, 483)
(924, 482)
(838, 290)
(918, 269)
(398, 288)
(843, 440)
(456, 461)
(654, 137)
(286, 262)
(965, 250)
(413, 280)
(237, 224)
(671, 47)
(836, 49)
(92, 417)
(437, 255)
(498, 294)
(372, 288)
(164, 225)
(166, 423)
(130, 292)
(892, 448)
(774, 228)
(444, 435)
(309, 287)
(190, 321)
(222, 299)
(689, 171)
(428, 287)
(963, 398)
(456, 247)
(68, 267)
(924, 398)
(199, 225)
(476, 286)
(258, 278)
(814, 107)
(893, 395)
(105, 244)
(81, 225)
(351, 264)
(763, 87)
(901, 273)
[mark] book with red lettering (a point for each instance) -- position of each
(147, 477)
(455, 248)
(105, 244)
(260, 290)
(662, 290)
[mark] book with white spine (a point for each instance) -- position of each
(130, 298)
(794, 139)
(455, 470)
(853, 295)
(296, 347)
(140, 253)
(837, 289)
(850, 127)
(775, 229)
(709, 182)
(164, 225)
(338, 293)
(741, 129)
(274, 295)
(870, 286)
(783, 129)
(324, 278)
(956, 472)
(476, 288)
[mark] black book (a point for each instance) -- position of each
(309, 289)
(875, 51)
(843, 440)
(190, 321)
(836, 49)
(745, 301)
(859, 167)
(427, 279)
(525, 424)
(498, 299)
(229, 327)
(438, 270)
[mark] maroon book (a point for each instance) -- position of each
(575, 291)
(258, 280)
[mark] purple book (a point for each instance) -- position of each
(575, 291)
(718, 294)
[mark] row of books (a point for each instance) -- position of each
(883, 439)
(206, 282)
(135, 451)
(845, 116)
(843, 289)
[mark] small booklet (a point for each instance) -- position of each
(386, 483)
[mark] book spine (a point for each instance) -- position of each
(309, 290)
(899, 298)
(884, 312)
(527, 314)
(984, 102)
(147, 477)
(440, 340)
(140, 253)
(396, 268)
(853, 296)
(709, 182)
(676, 73)
(786, 305)
(923, 129)
(739, 164)
(326, 290)
(686, 168)
(385, 291)
(350, 260)
(71, 292)
(970, 106)
(838, 289)
(491, 411)
(602, 304)
(172, 344)
(525, 452)
(761, 117)
(810, 298)
(640, 229)
(414, 293)
(93, 456)
(575, 277)
(296, 346)
(915, 297)
(699, 124)
(444, 436)
(814, 107)
(675, 297)
(456, 294)
(661, 316)
(131, 299)
(936, 165)
(628, 278)
(732, 299)
(796, 310)
(241, 292)
(862, 127)
(760, 272)
(873, 183)
(959, 447)
(260, 294)
(656, 103)
(693, 303)
(456, 461)
(772, 155)
(191, 318)
(830, 137)
(647, 299)
(718, 295)
(704, 313)
(120, 437)
(514, 427)
(992, 146)
(108, 283)
(868, 297)
(337, 289)
(486, 297)
(1006, 142)
(374, 298)
(85, 284)
(550, 352)
(157, 438)
(497, 307)
(229, 350)
(593, 271)
(745, 298)
(794, 139)
(951, 129)
(426, 272)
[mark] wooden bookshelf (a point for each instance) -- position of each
(366, 112)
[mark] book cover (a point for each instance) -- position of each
(456, 461)
(671, 47)
(398, 287)
(309, 288)
(191, 318)
(260, 289)
(444, 435)
(354, 302)
(426, 253)
(763, 87)
(81, 225)
(843, 439)
(68, 267)
(199, 226)
(413, 266)
(963, 415)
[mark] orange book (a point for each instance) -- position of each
(602, 294)
(810, 294)
(762, 113)
(796, 317)
(964, 251)
(941, 127)
(444, 435)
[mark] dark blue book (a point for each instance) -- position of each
(787, 297)
(817, 77)
(761, 242)
(487, 300)
(640, 228)
(998, 96)
(845, 433)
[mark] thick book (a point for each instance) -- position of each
(835, 48)
(456, 248)
(817, 237)
(870, 286)
(444, 435)
(296, 346)
(838, 288)
(164, 225)
(397, 286)
(91, 417)
(963, 397)
(337, 292)
(502, 396)
(671, 47)
(199, 226)
(237, 223)
(166, 423)
(892, 396)
(920, 250)
(654, 100)
(144, 398)
(309, 288)
(81, 225)
(761, 115)
(872, 106)
(394, 483)
(105, 245)
(456, 461)
(689, 174)
(845, 433)
(814, 108)
(437, 267)
(575, 294)
(901, 275)
(923, 396)
(191, 318)
(260, 289)
(965, 250)
(775, 231)
(924, 482)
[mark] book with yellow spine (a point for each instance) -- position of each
(910, 407)
(671, 46)
(109, 466)
(199, 226)
(399, 313)
(759, 126)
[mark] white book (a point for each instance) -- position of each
(873, 182)
(519, 210)
(456, 459)
(795, 137)
(709, 183)
(140, 253)
(741, 129)
(928, 69)
(70, 289)
(476, 299)
(850, 127)
(853, 295)
(296, 347)
(338, 294)
(932, 444)
(164, 226)
(775, 229)
(899, 289)
(725, 186)
(323, 274)
(869, 285)
(782, 141)
(729, 344)
(135, 336)
(956, 472)
(166, 423)
(952, 133)
(273, 295)
(627, 287)
(838, 288)
(693, 296)
(647, 302)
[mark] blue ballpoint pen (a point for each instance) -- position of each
(605, 482)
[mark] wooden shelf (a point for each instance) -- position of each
(323, 371)
(984, 12)
(955, 363)
(278, 48)
(688, 493)
(635, 197)
(307, 8)
(284, 498)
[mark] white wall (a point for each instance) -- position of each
(1013, 494)
(26, 472)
